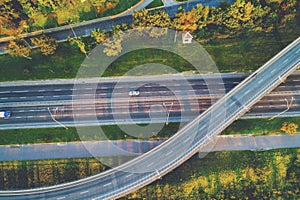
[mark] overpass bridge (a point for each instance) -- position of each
(151, 166)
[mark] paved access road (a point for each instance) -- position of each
(137, 147)
(170, 2)
(159, 161)
(77, 149)
(29, 101)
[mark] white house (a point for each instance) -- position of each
(186, 38)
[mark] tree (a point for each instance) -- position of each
(154, 24)
(19, 48)
(186, 21)
(113, 46)
(139, 18)
(98, 35)
(79, 43)
(282, 11)
(289, 128)
(10, 17)
(204, 15)
(119, 28)
(47, 44)
(237, 16)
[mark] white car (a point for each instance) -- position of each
(134, 93)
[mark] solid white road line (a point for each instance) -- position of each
(84, 192)
(169, 153)
(128, 175)
(186, 140)
(107, 184)
(20, 91)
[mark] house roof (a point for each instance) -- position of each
(187, 35)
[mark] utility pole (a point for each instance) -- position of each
(53, 118)
(288, 105)
(169, 110)
(69, 22)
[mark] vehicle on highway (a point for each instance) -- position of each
(5, 114)
(134, 93)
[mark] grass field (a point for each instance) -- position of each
(122, 6)
(259, 126)
(155, 3)
(112, 132)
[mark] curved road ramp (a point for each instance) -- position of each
(151, 166)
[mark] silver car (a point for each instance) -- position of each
(134, 93)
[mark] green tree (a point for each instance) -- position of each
(282, 11)
(19, 48)
(289, 128)
(46, 44)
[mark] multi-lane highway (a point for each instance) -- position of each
(29, 101)
(166, 157)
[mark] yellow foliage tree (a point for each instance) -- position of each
(289, 128)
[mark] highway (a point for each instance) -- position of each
(159, 161)
(137, 147)
(29, 101)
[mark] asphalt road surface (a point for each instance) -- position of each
(29, 103)
(137, 147)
